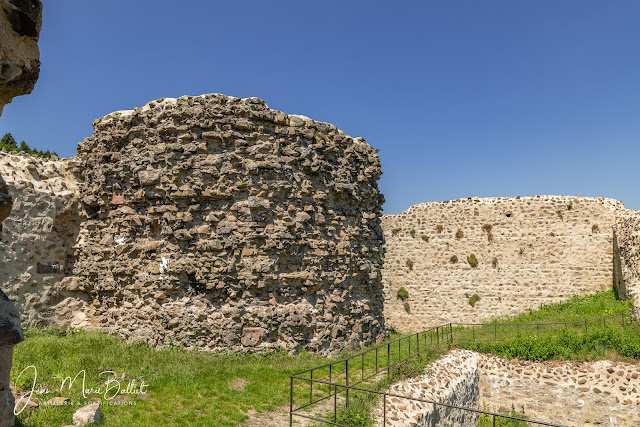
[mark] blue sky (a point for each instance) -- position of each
(463, 98)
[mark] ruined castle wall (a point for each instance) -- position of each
(530, 251)
(217, 223)
(37, 239)
(626, 260)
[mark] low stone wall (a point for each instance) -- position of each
(626, 259)
(528, 251)
(452, 379)
(603, 393)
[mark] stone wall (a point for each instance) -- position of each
(603, 393)
(529, 250)
(452, 379)
(37, 240)
(20, 22)
(626, 258)
(210, 222)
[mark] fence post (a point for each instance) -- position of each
(495, 332)
(335, 402)
(494, 421)
(433, 418)
(347, 380)
(311, 388)
(473, 328)
(291, 402)
(384, 410)
(438, 336)
(451, 331)
(389, 363)
(585, 327)
(418, 344)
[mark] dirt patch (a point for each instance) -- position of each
(238, 383)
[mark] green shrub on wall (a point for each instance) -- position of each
(425, 238)
(472, 260)
(453, 259)
(410, 264)
(403, 294)
(473, 300)
(406, 307)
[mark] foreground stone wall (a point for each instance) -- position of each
(211, 222)
(529, 250)
(20, 22)
(452, 380)
(627, 255)
(602, 393)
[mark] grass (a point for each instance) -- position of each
(610, 338)
(184, 388)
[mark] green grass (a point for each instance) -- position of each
(611, 338)
(184, 388)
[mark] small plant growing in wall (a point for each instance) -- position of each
(410, 264)
(570, 206)
(473, 300)
(406, 307)
(412, 232)
(403, 294)
(439, 228)
(473, 261)
(487, 228)
(559, 214)
(425, 238)
(595, 229)
(494, 262)
(459, 234)
(521, 251)
(395, 231)
(490, 237)
(453, 259)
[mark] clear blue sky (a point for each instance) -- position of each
(463, 98)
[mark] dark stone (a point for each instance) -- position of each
(25, 17)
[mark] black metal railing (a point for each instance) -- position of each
(337, 379)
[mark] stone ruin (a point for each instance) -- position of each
(528, 251)
(208, 222)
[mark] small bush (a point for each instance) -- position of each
(494, 262)
(487, 228)
(490, 237)
(395, 231)
(406, 307)
(595, 228)
(559, 214)
(453, 259)
(439, 228)
(472, 260)
(412, 232)
(521, 251)
(403, 294)
(473, 300)
(425, 238)
(459, 234)
(410, 264)
(570, 206)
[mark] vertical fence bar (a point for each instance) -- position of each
(473, 328)
(291, 403)
(418, 344)
(376, 360)
(335, 403)
(384, 410)
(389, 363)
(431, 336)
(438, 336)
(433, 418)
(604, 321)
(585, 327)
(451, 332)
(347, 380)
(362, 366)
(311, 388)
(495, 332)
(494, 421)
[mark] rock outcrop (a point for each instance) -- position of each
(626, 259)
(513, 253)
(20, 22)
(209, 222)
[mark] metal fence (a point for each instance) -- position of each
(338, 380)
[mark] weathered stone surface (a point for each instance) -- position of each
(563, 392)
(626, 259)
(211, 222)
(20, 22)
(6, 201)
(87, 415)
(531, 250)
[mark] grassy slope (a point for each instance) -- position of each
(598, 340)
